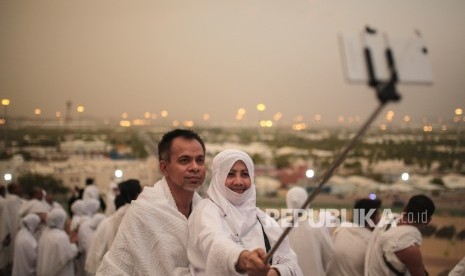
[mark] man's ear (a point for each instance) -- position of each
(163, 167)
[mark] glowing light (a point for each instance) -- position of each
(6, 102)
(37, 111)
(427, 128)
(206, 117)
(372, 196)
(390, 115)
(80, 108)
(405, 176)
(277, 116)
(125, 123)
(164, 113)
(310, 173)
(147, 115)
(118, 173)
(241, 111)
(188, 123)
(458, 111)
(7, 177)
(261, 107)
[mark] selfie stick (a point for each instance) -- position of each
(386, 92)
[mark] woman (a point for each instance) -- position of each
(228, 233)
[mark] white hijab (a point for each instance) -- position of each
(295, 197)
(239, 209)
(31, 222)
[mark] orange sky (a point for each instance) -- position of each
(215, 56)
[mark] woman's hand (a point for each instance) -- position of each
(252, 262)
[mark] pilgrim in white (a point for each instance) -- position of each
(230, 232)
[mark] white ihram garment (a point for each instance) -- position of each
(152, 238)
(103, 238)
(25, 255)
(311, 242)
(55, 251)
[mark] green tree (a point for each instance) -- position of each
(47, 182)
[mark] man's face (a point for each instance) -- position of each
(186, 168)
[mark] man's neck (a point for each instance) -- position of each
(182, 198)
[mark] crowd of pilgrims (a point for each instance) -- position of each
(40, 237)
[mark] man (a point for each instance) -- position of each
(152, 237)
(394, 249)
(351, 239)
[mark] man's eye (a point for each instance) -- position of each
(201, 161)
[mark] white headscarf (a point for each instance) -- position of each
(91, 206)
(295, 197)
(31, 222)
(56, 219)
(239, 209)
(78, 207)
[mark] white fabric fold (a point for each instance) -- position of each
(152, 225)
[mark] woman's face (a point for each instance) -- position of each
(238, 179)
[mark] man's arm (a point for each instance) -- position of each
(411, 257)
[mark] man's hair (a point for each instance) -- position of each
(363, 206)
(418, 205)
(164, 146)
(129, 190)
(89, 181)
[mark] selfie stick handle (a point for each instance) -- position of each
(386, 91)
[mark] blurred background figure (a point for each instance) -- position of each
(112, 193)
(9, 226)
(312, 244)
(106, 231)
(351, 239)
(25, 253)
(56, 250)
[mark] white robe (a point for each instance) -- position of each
(85, 237)
(214, 249)
(227, 223)
(25, 255)
(152, 238)
(34, 206)
(9, 225)
(91, 192)
(459, 269)
(350, 246)
(388, 242)
(55, 251)
(103, 238)
(311, 242)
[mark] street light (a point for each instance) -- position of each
(5, 103)
(8, 177)
(118, 173)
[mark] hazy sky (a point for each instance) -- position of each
(215, 56)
